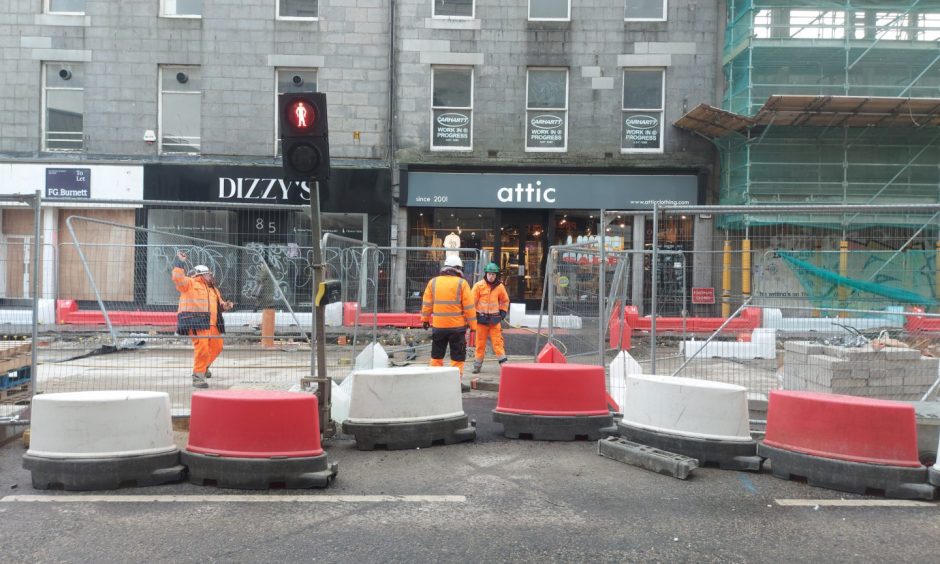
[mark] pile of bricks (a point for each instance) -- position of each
(889, 373)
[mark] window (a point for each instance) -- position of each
(180, 109)
(549, 10)
(452, 109)
(298, 9)
(645, 10)
(65, 6)
(642, 118)
(453, 8)
(546, 110)
(291, 80)
(181, 8)
(63, 107)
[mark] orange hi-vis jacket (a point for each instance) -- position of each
(448, 303)
(489, 300)
(196, 300)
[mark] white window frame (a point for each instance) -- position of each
(661, 110)
(277, 92)
(473, 12)
(525, 129)
(450, 148)
(565, 19)
(160, 91)
(662, 19)
(278, 16)
(163, 13)
(44, 110)
(47, 9)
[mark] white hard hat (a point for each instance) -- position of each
(201, 270)
(453, 261)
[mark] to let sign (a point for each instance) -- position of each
(703, 295)
(70, 183)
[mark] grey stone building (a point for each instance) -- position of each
(509, 123)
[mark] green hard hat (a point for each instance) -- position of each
(491, 267)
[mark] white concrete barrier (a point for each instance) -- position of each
(622, 366)
(519, 318)
(373, 356)
(763, 345)
(405, 394)
(687, 407)
(773, 319)
(107, 424)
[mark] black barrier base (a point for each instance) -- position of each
(399, 436)
(647, 457)
(259, 473)
(726, 455)
(88, 474)
(933, 476)
(898, 482)
(544, 428)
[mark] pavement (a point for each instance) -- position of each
(493, 500)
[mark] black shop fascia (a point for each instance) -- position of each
(515, 215)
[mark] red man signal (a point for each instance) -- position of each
(305, 144)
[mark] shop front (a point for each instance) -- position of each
(517, 216)
(258, 210)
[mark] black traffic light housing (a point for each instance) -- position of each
(305, 141)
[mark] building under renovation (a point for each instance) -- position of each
(831, 102)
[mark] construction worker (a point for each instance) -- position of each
(447, 309)
(199, 315)
(491, 301)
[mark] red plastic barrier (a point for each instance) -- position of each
(67, 313)
(749, 320)
(843, 427)
(551, 354)
(254, 424)
(613, 325)
(921, 324)
(559, 390)
(399, 319)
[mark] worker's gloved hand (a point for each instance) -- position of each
(502, 314)
(425, 324)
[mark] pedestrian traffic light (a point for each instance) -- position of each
(305, 142)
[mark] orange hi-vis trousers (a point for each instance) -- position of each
(205, 350)
(456, 363)
(495, 334)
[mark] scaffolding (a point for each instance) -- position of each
(828, 102)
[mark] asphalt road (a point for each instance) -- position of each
(494, 500)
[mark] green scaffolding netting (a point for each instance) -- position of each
(910, 281)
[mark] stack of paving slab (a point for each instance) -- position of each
(890, 373)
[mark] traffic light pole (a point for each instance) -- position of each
(318, 345)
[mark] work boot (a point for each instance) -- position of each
(208, 374)
(502, 360)
(199, 381)
(477, 366)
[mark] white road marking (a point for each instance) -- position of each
(233, 499)
(854, 503)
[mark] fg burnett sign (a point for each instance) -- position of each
(550, 191)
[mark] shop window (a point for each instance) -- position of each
(180, 109)
(64, 6)
(547, 110)
(298, 9)
(550, 10)
(642, 114)
(291, 80)
(453, 8)
(452, 109)
(181, 8)
(63, 97)
(645, 10)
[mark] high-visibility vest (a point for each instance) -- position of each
(448, 303)
(489, 300)
(197, 296)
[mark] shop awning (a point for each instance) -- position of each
(817, 111)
